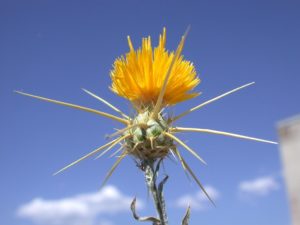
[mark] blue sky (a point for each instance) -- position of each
(54, 48)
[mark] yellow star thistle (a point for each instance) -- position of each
(139, 75)
(151, 80)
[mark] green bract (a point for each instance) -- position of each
(148, 139)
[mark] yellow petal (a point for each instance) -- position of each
(139, 75)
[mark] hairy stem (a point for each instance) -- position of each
(151, 171)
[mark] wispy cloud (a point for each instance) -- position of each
(198, 200)
(81, 209)
(260, 186)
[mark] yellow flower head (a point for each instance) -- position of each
(139, 75)
(151, 80)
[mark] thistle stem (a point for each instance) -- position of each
(151, 172)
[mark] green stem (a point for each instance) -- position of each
(157, 192)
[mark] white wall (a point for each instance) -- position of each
(289, 132)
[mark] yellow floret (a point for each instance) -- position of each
(139, 75)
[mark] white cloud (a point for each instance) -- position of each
(260, 186)
(198, 201)
(77, 210)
